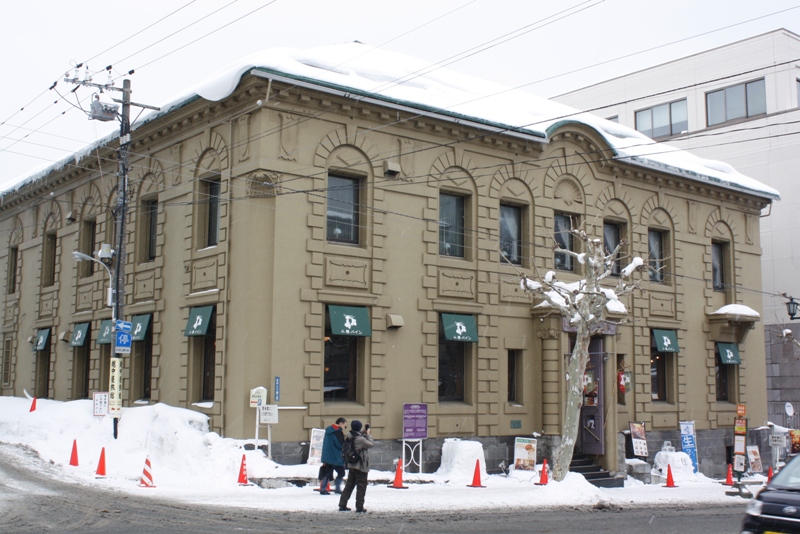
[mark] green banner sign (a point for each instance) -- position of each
(78, 338)
(349, 321)
(460, 328)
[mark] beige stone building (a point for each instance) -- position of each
(346, 244)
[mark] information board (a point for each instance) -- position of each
(415, 421)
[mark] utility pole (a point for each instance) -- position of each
(105, 112)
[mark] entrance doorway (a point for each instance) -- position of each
(592, 421)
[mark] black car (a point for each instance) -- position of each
(776, 509)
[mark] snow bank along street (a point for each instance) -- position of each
(190, 464)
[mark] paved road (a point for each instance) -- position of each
(32, 501)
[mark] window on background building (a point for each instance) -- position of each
(718, 253)
(11, 273)
(612, 235)
(663, 120)
(656, 250)
(7, 347)
(148, 230)
(511, 233)
(49, 259)
(86, 241)
(736, 102)
(515, 374)
(615, 118)
(343, 224)
(451, 225)
(562, 232)
(210, 197)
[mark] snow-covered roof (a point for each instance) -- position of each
(366, 72)
(737, 309)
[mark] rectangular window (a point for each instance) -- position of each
(611, 239)
(81, 367)
(663, 355)
(515, 374)
(451, 225)
(656, 242)
(149, 230)
(341, 364)
(210, 195)
(343, 225)
(209, 358)
(736, 102)
(622, 382)
(615, 118)
(7, 345)
(658, 376)
(511, 233)
(562, 232)
(49, 259)
(86, 241)
(11, 274)
(663, 120)
(452, 361)
(722, 375)
(718, 253)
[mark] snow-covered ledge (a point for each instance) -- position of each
(733, 319)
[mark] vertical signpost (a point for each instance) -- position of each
(258, 398)
(740, 441)
(268, 415)
(415, 429)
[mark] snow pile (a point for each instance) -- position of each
(190, 464)
(737, 309)
(681, 465)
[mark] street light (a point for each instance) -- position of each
(791, 308)
(106, 256)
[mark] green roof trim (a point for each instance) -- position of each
(106, 332)
(78, 338)
(460, 328)
(729, 353)
(350, 321)
(666, 340)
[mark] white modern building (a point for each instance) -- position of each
(739, 103)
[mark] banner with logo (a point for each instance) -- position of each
(689, 441)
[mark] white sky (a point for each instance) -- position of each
(191, 465)
(40, 40)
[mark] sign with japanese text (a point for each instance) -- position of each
(100, 402)
(258, 397)
(741, 410)
(740, 427)
(115, 388)
(415, 421)
(639, 439)
(268, 414)
(689, 441)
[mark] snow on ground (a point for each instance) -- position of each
(193, 465)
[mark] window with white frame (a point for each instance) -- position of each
(663, 120)
(736, 102)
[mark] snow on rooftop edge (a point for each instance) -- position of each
(737, 309)
(391, 76)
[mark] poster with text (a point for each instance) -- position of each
(754, 455)
(315, 446)
(639, 439)
(739, 443)
(738, 463)
(795, 437)
(524, 454)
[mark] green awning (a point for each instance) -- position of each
(666, 340)
(349, 321)
(78, 338)
(140, 324)
(42, 339)
(460, 328)
(106, 335)
(199, 318)
(729, 353)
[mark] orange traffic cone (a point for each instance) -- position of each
(476, 478)
(398, 477)
(729, 477)
(769, 475)
(33, 405)
(147, 477)
(670, 482)
(73, 460)
(101, 465)
(543, 477)
(328, 488)
(243, 473)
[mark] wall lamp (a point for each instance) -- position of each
(791, 308)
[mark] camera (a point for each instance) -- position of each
(366, 427)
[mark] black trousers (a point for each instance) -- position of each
(355, 479)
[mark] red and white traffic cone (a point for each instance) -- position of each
(729, 476)
(476, 478)
(243, 473)
(147, 476)
(543, 477)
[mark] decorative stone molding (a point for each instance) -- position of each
(84, 300)
(548, 333)
(691, 216)
(46, 304)
(144, 285)
(10, 314)
(511, 292)
(568, 192)
(457, 284)
(408, 149)
(347, 272)
(204, 274)
(211, 156)
(242, 124)
(662, 305)
(263, 184)
(289, 135)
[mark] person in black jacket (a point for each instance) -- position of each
(332, 457)
(357, 476)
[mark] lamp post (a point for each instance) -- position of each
(791, 308)
(106, 255)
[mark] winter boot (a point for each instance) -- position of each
(323, 487)
(338, 486)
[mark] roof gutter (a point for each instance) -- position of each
(372, 98)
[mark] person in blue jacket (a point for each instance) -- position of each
(332, 456)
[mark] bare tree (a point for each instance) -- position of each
(585, 304)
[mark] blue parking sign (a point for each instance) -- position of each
(123, 344)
